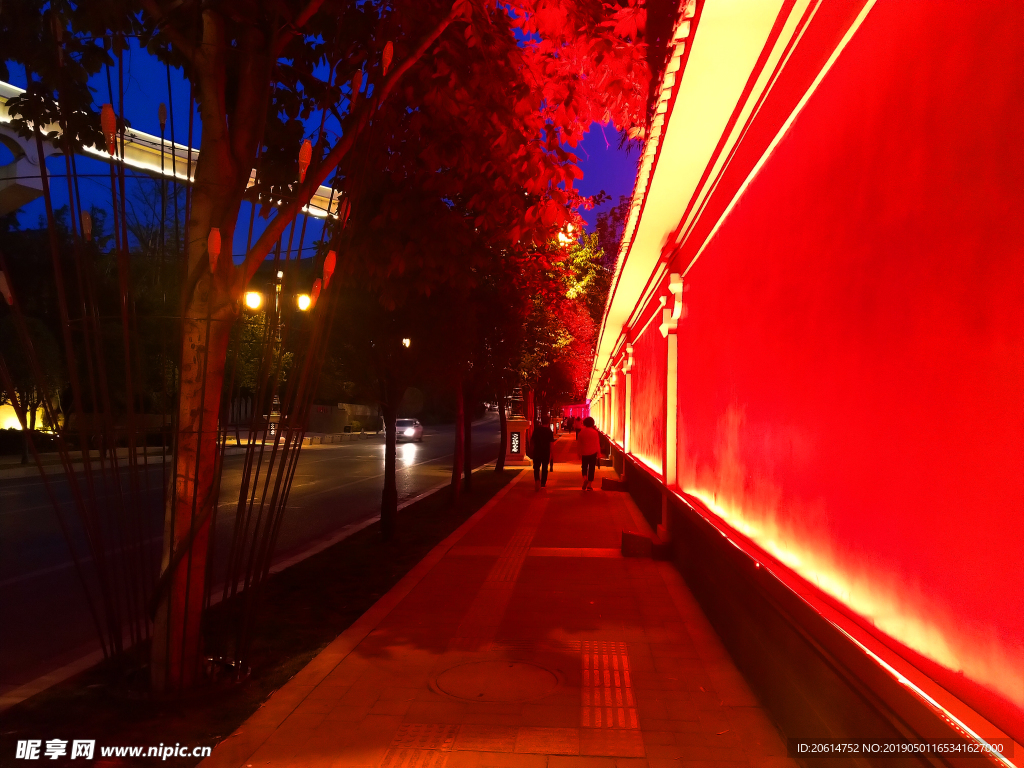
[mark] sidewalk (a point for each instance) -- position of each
(523, 640)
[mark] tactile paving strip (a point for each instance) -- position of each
(607, 693)
(477, 628)
(425, 736)
(420, 745)
(414, 758)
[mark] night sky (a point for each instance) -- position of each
(604, 166)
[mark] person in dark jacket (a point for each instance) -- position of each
(542, 440)
(589, 443)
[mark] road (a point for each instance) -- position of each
(45, 623)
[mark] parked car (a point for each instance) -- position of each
(410, 429)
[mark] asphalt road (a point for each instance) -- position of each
(44, 622)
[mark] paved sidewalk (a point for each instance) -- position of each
(523, 640)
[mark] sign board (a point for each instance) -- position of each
(515, 448)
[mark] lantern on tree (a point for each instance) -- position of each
(108, 121)
(344, 209)
(329, 263)
(357, 84)
(305, 155)
(213, 247)
(385, 59)
(87, 225)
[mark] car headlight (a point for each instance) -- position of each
(409, 432)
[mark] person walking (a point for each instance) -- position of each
(577, 425)
(541, 444)
(589, 440)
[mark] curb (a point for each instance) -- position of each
(251, 735)
(59, 675)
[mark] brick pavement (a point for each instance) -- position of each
(522, 641)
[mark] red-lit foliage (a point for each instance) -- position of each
(450, 130)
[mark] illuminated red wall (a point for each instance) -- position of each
(619, 408)
(852, 368)
(647, 416)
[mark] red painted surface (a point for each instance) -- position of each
(579, 409)
(647, 431)
(852, 367)
(618, 407)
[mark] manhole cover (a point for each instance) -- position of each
(497, 681)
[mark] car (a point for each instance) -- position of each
(410, 429)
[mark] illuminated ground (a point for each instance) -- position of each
(523, 640)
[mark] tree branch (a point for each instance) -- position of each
(185, 48)
(318, 176)
(285, 36)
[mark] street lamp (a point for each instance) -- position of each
(406, 343)
(253, 300)
(304, 301)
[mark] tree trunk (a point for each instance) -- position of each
(499, 465)
(457, 459)
(236, 408)
(467, 441)
(389, 497)
(30, 425)
(176, 654)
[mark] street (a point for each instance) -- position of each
(46, 624)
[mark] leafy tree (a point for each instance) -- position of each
(32, 392)
(262, 71)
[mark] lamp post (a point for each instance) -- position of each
(254, 301)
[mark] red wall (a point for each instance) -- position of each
(647, 415)
(618, 409)
(852, 368)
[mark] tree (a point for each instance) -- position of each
(259, 71)
(30, 391)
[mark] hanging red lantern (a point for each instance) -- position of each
(357, 85)
(213, 247)
(87, 225)
(344, 209)
(329, 263)
(108, 120)
(315, 293)
(305, 155)
(385, 59)
(161, 113)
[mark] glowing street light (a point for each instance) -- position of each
(304, 301)
(566, 237)
(406, 343)
(253, 299)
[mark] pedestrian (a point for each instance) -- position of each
(577, 425)
(541, 444)
(589, 440)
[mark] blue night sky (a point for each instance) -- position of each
(604, 166)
